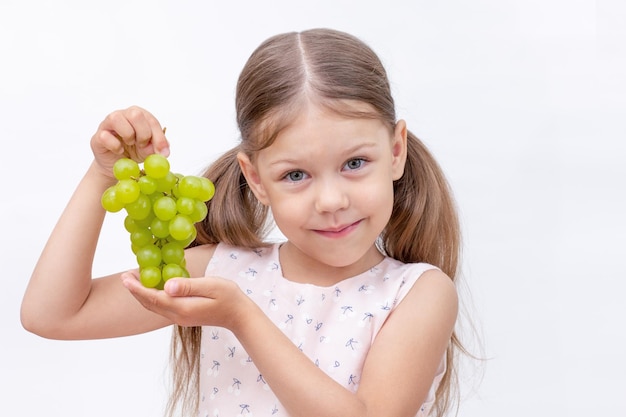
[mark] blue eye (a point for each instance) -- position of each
(355, 163)
(295, 176)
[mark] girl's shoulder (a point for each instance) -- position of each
(394, 266)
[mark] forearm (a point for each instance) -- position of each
(291, 374)
(61, 280)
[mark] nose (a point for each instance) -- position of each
(331, 195)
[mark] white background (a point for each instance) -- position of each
(522, 102)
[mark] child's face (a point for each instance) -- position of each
(329, 182)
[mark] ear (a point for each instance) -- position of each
(398, 150)
(252, 178)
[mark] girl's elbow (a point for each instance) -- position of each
(35, 322)
(30, 322)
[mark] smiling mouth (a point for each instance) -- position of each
(338, 231)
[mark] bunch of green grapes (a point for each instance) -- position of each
(161, 211)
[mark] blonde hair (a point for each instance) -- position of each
(330, 68)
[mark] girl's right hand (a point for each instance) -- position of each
(132, 133)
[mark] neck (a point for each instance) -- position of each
(297, 266)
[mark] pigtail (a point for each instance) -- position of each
(424, 226)
(234, 214)
(185, 361)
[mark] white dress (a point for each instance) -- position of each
(334, 326)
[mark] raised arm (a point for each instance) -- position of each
(62, 300)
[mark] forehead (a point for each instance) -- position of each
(290, 115)
(317, 136)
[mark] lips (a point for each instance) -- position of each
(339, 231)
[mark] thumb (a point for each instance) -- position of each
(179, 287)
(190, 287)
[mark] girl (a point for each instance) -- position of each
(352, 315)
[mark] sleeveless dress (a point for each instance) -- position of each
(334, 326)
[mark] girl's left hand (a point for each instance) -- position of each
(206, 301)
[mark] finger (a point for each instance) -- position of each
(149, 135)
(108, 142)
(118, 124)
(206, 287)
(159, 141)
(188, 287)
(130, 279)
(131, 274)
(138, 119)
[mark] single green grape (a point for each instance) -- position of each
(130, 225)
(199, 212)
(160, 228)
(126, 168)
(148, 255)
(181, 227)
(190, 186)
(172, 271)
(190, 238)
(110, 201)
(140, 208)
(147, 185)
(127, 190)
(156, 166)
(185, 205)
(165, 208)
(141, 237)
(208, 189)
(150, 276)
(173, 253)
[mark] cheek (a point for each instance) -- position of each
(375, 196)
(287, 211)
